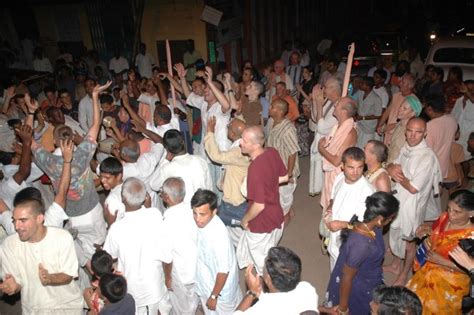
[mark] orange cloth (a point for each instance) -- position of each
(47, 139)
(334, 145)
(457, 157)
(441, 289)
(293, 112)
(144, 112)
(145, 145)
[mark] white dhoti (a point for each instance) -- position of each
(286, 196)
(221, 308)
(433, 208)
(363, 138)
(235, 234)
(397, 242)
(316, 174)
(163, 306)
(253, 248)
(182, 298)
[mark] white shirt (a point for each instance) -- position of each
(465, 118)
(114, 202)
(370, 105)
(180, 235)
(160, 130)
(382, 93)
(300, 299)
(57, 255)
(193, 169)
(146, 164)
(137, 243)
(348, 199)
(86, 112)
(43, 65)
(118, 64)
(145, 65)
(216, 254)
(222, 120)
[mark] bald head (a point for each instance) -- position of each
(255, 134)
(415, 131)
(236, 127)
(129, 151)
(347, 108)
(418, 122)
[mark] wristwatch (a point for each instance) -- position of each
(252, 294)
(214, 296)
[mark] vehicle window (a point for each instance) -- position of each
(454, 55)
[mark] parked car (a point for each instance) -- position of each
(453, 51)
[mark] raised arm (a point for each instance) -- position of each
(318, 101)
(32, 106)
(133, 115)
(182, 77)
(95, 128)
(231, 93)
(219, 95)
(176, 84)
(67, 149)
(25, 133)
(161, 90)
(10, 93)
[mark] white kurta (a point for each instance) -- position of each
(323, 128)
(192, 169)
(217, 255)
(302, 298)
(114, 202)
(371, 105)
(137, 242)
(57, 254)
(222, 120)
(420, 166)
(348, 199)
(465, 118)
(180, 238)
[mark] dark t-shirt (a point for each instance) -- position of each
(126, 306)
(262, 187)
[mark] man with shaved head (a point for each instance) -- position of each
(331, 147)
(417, 174)
(233, 205)
(282, 136)
(263, 220)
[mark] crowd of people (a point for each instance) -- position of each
(140, 190)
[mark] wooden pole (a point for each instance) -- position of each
(347, 75)
(170, 72)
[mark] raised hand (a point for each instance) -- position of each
(100, 88)
(211, 124)
(25, 134)
(32, 104)
(209, 74)
(318, 94)
(67, 149)
(254, 281)
(137, 126)
(10, 93)
(180, 70)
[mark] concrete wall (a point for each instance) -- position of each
(173, 20)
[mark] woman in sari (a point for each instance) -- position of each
(439, 282)
(358, 270)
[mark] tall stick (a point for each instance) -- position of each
(347, 75)
(170, 71)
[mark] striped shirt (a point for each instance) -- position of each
(284, 139)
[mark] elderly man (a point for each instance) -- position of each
(322, 113)
(389, 116)
(416, 172)
(282, 92)
(180, 237)
(140, 252)
(342, 136)
(278, 76)
(282, 136)
(192, 169)
(217, 278)
(233, 204)
(287, 294)
(263, 221)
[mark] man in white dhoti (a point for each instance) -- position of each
(349, 192)
(369, 110)
(180, 237)
(324, 98)
(217, 278)
(416, 172)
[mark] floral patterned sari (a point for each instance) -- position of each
(439, 288)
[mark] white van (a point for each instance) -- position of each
(453, 51)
